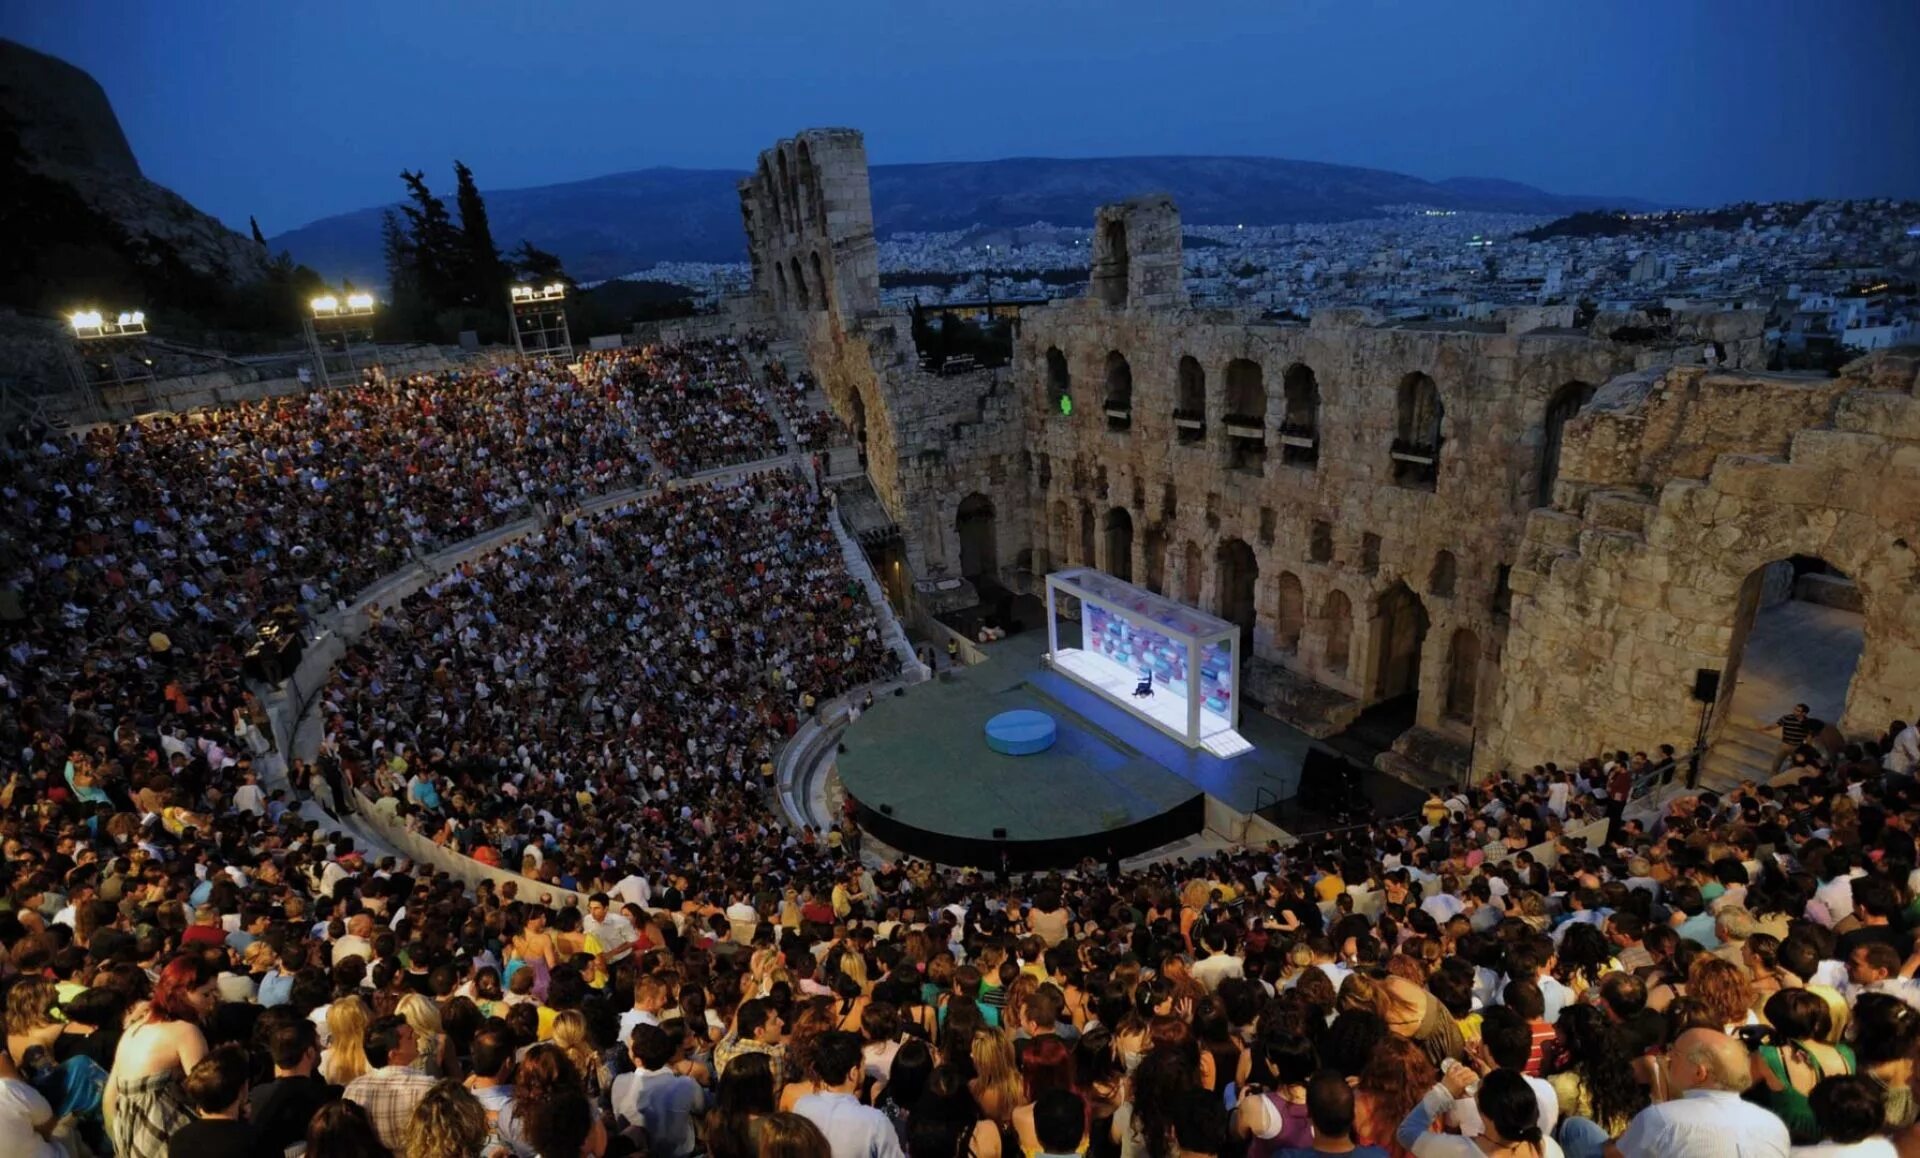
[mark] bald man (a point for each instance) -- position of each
(1708, 1071)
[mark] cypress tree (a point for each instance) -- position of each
(483, 275)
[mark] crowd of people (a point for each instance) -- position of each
(814, 428)
(614, 688)
(192, 966)
(698, 404)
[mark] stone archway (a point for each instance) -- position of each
(975, 524)
(1119, 527)
(1059, 382)
(1400, 634)
(1290, 614)
(1239, 578)
(1798, 632)
(1337, 614)
(1566, 403)
(1088, 557)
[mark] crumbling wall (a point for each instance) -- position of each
(1618, 603)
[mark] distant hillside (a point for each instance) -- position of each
(1621, 221)
(622, 222)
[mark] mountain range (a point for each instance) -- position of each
(607, 226)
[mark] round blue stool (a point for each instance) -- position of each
(1021, 733)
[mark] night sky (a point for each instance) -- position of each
(293, 111)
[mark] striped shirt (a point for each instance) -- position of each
(1794, 729)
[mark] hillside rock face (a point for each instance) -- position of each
(68, 132)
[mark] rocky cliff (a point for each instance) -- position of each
(65, 134)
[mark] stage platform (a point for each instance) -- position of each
(1110, 779)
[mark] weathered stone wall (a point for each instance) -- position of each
(1571, 515)
(808, 214)
(1618, 601)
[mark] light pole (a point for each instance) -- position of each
(341, 318)
(110, 350)
(537, 314)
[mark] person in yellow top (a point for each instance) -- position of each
(1329, 886)
(1434, 810)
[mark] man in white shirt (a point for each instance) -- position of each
(1706, 1118)
(248, 797)
(612, 930)
(852, 1130)
(1218, 964)
(358, 941)
(656, 1097)
(633, 889)
(744, 918)
(649, 999)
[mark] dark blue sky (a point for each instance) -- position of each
(293, 110)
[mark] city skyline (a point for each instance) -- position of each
(299, 113)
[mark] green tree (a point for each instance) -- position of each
(531, 263)
(483, 274)
(259, 238)
(434, 243)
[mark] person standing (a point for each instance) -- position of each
(1794, 728)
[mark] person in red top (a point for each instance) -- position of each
(1523, 997)
(205, 929)
(1619, 787)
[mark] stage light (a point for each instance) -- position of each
(325, 304)
(359, 301)
(86, 320)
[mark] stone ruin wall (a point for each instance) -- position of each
(1612, 595)
(1679, 489)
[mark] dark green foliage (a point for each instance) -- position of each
(259, 238)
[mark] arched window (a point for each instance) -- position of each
(1087, 556)
(1191, 580)
(1190, 401)
(820, 281)
(809, 184)
(1338, 614)
(1291, 612)
(1440, 579)
(1156, 551)
(1059, 382)
(1463, 675)
(789, 208)
(1566, 403)
(800, 286)
(780, 288)
(1416, 439)
(1320, 542)
(1119, 391)
(1239, 578)
(975, 524)
(1300, 429)
(1110, 264)
(1246, 418)
(1120, 544)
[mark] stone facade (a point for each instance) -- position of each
(1472, 514)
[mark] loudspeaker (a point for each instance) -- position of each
(999, 834)
(1706, 684)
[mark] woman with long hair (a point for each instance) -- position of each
(1397, 1072)
(1143, 1127)
(1273, 1110)
(810, 1020)
(1788, 1068)
(571, 1038)
(146, 1099)
(997, 1085)
(436, 1052)
(1596, 1080)
(534, 948)
(1100, 1078)
(543, 1084)
(1046, 1065)
(906, 1081)
(345, 1057)
(447, 1122)
(30, 1022)
(946, 1122)
(741, 1104)
(487, 992)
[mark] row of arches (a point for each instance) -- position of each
(1251, 432)
(792, 189)
(1321, 637)
(797, 292)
